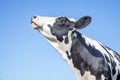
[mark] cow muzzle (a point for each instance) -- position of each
(34, 22)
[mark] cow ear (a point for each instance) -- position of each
(83, 22)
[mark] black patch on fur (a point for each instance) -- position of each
(113, 67)
(87, 58)
(66, 40)
(61, 27)
(118, 76)
(69, 56)
(107, 59)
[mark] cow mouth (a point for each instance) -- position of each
(35, 25)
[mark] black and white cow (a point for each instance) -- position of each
(88, 59)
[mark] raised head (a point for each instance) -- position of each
(51, 27)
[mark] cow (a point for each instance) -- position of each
(88, 58)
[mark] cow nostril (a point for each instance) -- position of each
(34, 17)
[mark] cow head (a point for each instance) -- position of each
(56, 28)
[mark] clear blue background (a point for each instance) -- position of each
(26, 55)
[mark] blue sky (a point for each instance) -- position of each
(26, 55)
